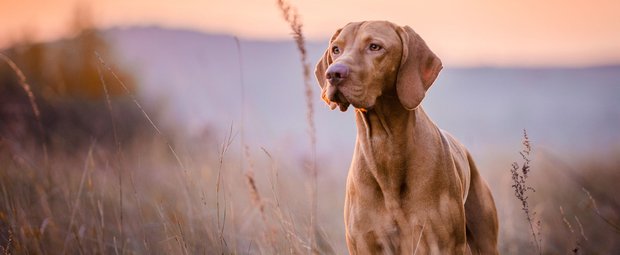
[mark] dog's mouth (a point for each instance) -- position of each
(334, 98)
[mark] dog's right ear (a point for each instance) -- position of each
(322, 65)
(419, 68)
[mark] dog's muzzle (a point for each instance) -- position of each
(335, 75)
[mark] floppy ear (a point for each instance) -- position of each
(419, 68)
(322, 65)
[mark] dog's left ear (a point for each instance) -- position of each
(322, 65)
(419, 68)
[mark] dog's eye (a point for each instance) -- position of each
(335, 50)
(374, 47)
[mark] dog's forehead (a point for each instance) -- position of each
(367, 29)
(349, 31)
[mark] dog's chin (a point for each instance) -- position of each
(335, 99)
(340, 102)
(363, 104)
(362, 107)
(341, 99)
(345, 98)
(343, 102)
(342, 106)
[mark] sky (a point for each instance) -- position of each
(462, 33)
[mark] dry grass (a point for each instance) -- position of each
(290, 15)
(91, 211)
(138, 200)
(153, 194)
(33, 103)
(561, 184)
(522, 190)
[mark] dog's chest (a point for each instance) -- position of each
(368, 222)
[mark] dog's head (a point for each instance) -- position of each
(365, 60)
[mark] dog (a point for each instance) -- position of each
(411, 188)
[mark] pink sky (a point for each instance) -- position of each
(462, 33)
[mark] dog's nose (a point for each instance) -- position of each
(336, 73)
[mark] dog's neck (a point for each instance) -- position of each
(387, 120)
(388, 138)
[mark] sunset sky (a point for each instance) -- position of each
(463, 33)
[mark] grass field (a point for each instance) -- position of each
(85, 168)
(139, 199)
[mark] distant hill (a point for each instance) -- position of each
(197, 79)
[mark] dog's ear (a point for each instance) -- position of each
(322, 65)
(419, 68)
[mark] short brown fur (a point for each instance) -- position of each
(412, 188)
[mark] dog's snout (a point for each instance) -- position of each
(336, 73)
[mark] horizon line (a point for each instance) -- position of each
(255, 39)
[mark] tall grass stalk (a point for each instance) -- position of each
(285, 220)
(146, 115)
(615, 227)
(245, 151)
(290, 15)
(222, 223)
(33, 104)
(7, 250)
(577, 245)
(522, 189)
(119, 152)
(76, 204)
(138, 201)
(242, 90)
(417, 244)
(257, 199)
(583, 235)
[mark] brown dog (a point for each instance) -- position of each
(412, 188)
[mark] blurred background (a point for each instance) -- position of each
(157, 127)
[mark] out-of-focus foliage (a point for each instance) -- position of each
(65, 79)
